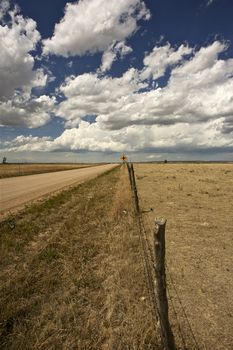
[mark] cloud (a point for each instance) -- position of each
(30, 112)
(153, 156)
(26, 140)
(210, 2)
(162, 57)
(90, 26)
(93, 137)
(17, 39)
(111, 54)
(4, 7)
(199, 89)
(192, 111)
(90, 94)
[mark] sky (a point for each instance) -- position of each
(88, 80)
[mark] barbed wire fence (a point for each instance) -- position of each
(156, 268)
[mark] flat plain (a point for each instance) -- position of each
(73, 274)
(197, 201)
(21, 169)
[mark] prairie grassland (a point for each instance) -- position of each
(197, 201)
(72, 273)
(9, 170)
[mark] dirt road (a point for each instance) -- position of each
(17, 191)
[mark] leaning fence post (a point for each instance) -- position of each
(160, 274)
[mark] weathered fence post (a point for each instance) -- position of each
(160, 274)
(134, 187)
(130, 175)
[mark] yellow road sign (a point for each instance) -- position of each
(123, 157)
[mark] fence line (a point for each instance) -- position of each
(173, 286)
(155, 271)
(149, 255)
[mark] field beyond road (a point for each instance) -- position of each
(71, 272)
(16, 191)
(22, 169)
(197, 201)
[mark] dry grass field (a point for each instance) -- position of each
(72, 274)
(9, 170)
(197, 201)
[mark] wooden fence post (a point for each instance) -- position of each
(134, 189)
(130, 175)
(160, 274)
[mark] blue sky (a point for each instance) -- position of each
(87, 80)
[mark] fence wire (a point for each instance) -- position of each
(149, 262)
(178, 298)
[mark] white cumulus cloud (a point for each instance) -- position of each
(162, 57)
(18, 39)
(93, 25)
(30, 112)
(90, 94)
(199, 89)
(192, 111)
(93, 137)
(110, 55)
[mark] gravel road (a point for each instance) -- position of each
(18, 191)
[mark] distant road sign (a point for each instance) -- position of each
(123, 157)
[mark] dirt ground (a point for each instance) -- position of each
(9, 170)
(72, 274)
(197, 201)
